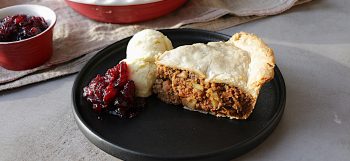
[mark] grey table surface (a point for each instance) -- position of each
(312, 49)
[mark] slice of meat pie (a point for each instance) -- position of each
(219, 78)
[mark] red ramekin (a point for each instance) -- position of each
(31, 52)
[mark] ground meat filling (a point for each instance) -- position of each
(183, 87)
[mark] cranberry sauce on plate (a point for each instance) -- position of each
(114, 93)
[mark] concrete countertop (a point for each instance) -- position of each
(312, 49)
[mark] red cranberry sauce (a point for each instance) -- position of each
(114, 93)
(19, 27)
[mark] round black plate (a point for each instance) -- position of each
(168, 132)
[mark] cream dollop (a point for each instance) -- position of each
(140, 53)
(143, 74)
(146, 44)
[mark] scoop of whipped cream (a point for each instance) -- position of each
(146, 44)
(140, 53)
(143, 74)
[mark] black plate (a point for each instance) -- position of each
(167, 132)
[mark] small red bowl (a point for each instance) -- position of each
(31, 52)
(124, 12)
